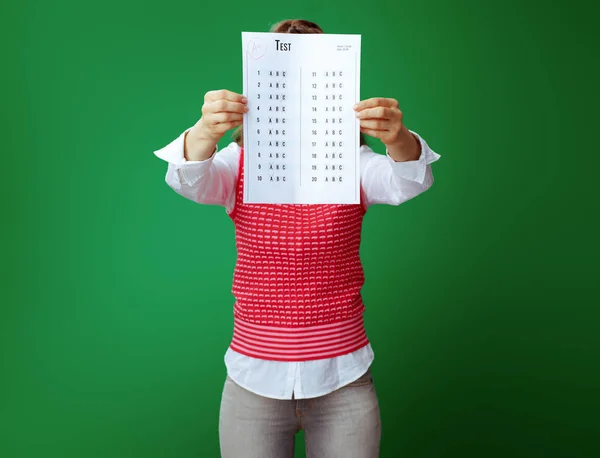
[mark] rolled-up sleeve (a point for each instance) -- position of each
(386, 181)
(210, 181)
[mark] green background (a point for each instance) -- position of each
(481, 294)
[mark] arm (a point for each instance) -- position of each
(405, 171)
(387, 181)
(197, 170)
(208, 181)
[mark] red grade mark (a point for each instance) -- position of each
(256, 48)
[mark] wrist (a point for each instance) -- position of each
(403, 139)
(405, 148)
(198, 146)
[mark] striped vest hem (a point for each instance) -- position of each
(307, 343)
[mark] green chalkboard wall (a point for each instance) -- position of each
(482, 294)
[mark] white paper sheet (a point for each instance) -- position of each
(301, 135)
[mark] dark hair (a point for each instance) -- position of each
(288, 26)
(296, 26)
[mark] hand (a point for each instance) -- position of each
(381, 118)
(222, 110)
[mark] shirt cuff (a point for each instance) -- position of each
(187, 171)
(191, 171)
(414, 170)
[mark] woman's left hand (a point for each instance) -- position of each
(381, 118)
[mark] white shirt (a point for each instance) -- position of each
(212, 181)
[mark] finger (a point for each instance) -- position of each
(224, 126)
(374, 102)
(377, 112)
(227, 117)
(224, 94)
(375, 124)
(220, 106)
(373, 132)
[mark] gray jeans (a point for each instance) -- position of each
(342, 424)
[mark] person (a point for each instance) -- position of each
(299, 358)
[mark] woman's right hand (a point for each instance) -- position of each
(222, 110)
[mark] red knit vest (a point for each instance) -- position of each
(297, 279)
